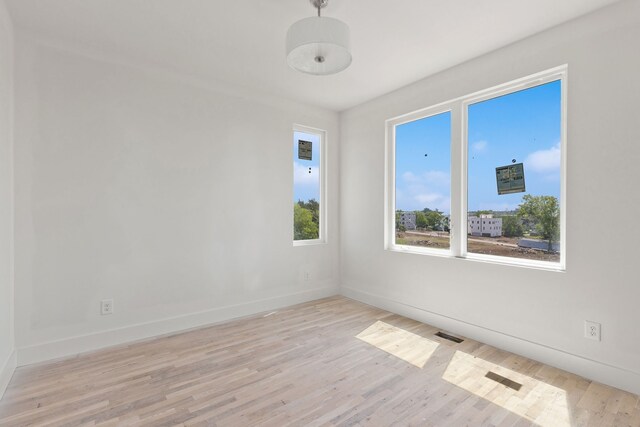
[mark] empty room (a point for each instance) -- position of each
(319, 213)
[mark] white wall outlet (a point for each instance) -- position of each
(307, 276)
(106, 306)
(592, 330)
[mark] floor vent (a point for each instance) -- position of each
(449, 337)
(503, 380)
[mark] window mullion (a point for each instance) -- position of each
(458, 202)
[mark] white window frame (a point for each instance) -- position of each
(322, 226)
(459, 161)
(390, 175)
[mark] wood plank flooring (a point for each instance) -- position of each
(332, 362)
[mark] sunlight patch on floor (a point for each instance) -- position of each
(537, 401)
(405, 345)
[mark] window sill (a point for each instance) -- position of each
(445, 253)
(490, 259)
(313, 242)
(514, 262)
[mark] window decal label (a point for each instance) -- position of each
(510, 179)
(304, 150)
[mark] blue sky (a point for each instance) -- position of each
(423, 159)
(524, 126)
(306, 185)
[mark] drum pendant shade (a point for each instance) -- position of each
(318, 45)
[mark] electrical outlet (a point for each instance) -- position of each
(592, 330)
(106, 306)
(307, 276)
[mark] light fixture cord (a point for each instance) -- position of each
(319, 4)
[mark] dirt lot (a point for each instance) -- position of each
(500, 246)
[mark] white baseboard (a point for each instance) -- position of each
(601, 372)
(85, 343)
(6, 372)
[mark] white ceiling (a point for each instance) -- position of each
(241, 42)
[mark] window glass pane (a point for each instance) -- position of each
(306, 186)
(514, 211)
(423, 182)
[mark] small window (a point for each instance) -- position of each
(308, 186)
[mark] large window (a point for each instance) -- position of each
(482, 176)
(515, 211)
(423, 175)
(308, 175)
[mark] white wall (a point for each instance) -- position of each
(169, 196)
(7, 355)
(174, 198)
(535, 312)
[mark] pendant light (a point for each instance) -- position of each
(318, 45)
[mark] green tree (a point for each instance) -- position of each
(446, 225)
(435, 219)
(399, 226)
(544, 212)
(303, 226)
(421, 220)
(312, 206)
(511, 226)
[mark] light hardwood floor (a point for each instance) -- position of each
(327, 362)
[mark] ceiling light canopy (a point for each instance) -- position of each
(318, 45)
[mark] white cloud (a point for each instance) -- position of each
(544, 161)
(427, 197)
(479, 146)
(425, 190)
(437, 178)
(432, 201)
(410, 177)
(433, 177)
(301, 175)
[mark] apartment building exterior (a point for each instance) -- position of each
(485, 225)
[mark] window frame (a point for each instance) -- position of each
(322, 225)
(458, 109)
(390, 175)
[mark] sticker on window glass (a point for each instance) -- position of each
(510, 179)
(304, 150)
